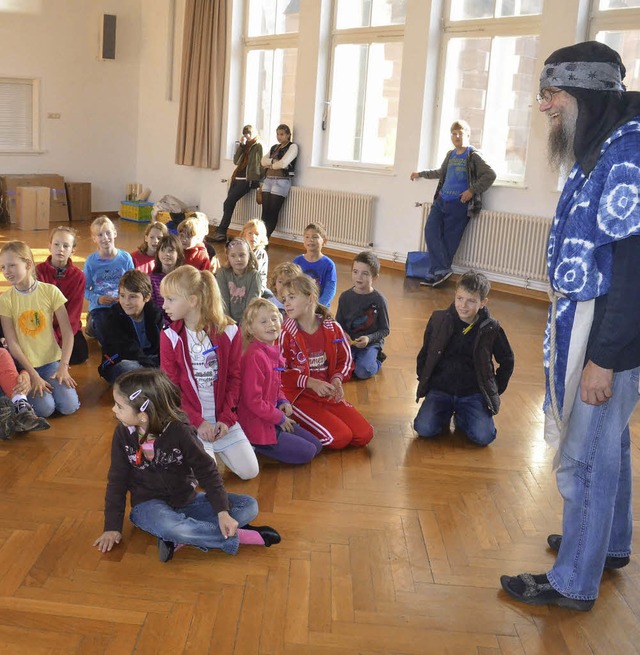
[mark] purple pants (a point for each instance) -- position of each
(297, 447)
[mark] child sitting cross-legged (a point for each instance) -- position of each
(157, 459)
(281, 274)
(132, 328)
(195, 254)
(455, 365)
(316, 265)
(144, 256)
(263, 411)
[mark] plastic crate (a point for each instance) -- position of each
(136, 211)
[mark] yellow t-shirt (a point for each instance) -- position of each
(32, 316)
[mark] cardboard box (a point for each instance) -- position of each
(32, 208)
(135, 210)
(58, 208)
(79, 200)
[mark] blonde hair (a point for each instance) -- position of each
(250, 314)
(190, 226)
(306, 286)
(286, 270)
(64, 228)
(203, 223)
(253, 262)
(161, 227)
(188, 282)
(22, 251)
(261, 229)
(99, 222)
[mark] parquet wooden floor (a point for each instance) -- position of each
(395, 549)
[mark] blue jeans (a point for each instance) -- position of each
(443, 232)
(63, 399)
(196, 524)
(594, 479)
(99, 318)
(111, 372)
(471, 416)
(366, 361)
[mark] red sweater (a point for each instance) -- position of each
(143, 262)
(71, 282)
(261, 393)
(176, 362)
(198, 258)
(293, 349)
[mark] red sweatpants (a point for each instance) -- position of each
(8, 373)
(337, 425)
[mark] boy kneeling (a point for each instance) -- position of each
(455, 369)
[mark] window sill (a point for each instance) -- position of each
(22, 152)
(385, 172)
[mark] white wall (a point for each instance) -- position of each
(118, 123)
(95, 140)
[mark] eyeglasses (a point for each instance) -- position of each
(546, 95)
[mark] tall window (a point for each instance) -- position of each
(610, 24)
(488, 78)
(271, 40)
(18, 115)
(362, 109)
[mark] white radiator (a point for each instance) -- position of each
(511, 246)
(347, 216)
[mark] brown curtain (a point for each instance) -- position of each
(202, 84)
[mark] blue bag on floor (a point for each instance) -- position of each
(417, 264)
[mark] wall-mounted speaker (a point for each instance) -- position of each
(108, 37)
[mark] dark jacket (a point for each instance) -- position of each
(480, 176)
(121, 338)
(491, 342)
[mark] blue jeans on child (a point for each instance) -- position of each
(594, 479)
(366, 361)
(443, 232)
(111, 373)
(471, 416)
(196, 524)
(63, 399)
(99, 319)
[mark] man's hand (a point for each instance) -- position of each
(596, 384)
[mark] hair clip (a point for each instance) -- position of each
(135, 394)
(144, 405)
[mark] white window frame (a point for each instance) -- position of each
(34, 84)
(356, 36)
(614, 20)
(263, 42)
(507, 26)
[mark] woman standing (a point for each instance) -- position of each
(280, 164)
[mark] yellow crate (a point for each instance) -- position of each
(137, 211)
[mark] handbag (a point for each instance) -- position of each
(259, 195)
(417, 264)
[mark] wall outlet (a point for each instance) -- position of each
(53, 115)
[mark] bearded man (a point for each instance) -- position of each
(592, 341)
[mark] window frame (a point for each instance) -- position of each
(273, 42)
(354, 36)
(504, 26)
(34, 83)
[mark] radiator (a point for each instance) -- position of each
(511, 246)
(348, 217)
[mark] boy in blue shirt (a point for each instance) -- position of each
(103, 270)
(316, 265)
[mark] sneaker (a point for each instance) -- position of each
(381, 356)
(442, 278)
(166, 549)
(88, 328)
(537, 590)
(7, 418)
(611, 563)
(26, 418)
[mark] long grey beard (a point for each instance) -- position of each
(560, 147)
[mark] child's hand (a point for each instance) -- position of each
(465, 196)
(286, 409)
(63, 377)
(415, 175)
(287, 425)
(228, 525)
(322, 388)
(107, 300)
(336, 383)
(107, 540)
(215, 265)
(23, 384)
(207, 432)
(39, 386)
(220, 429)
(360, 342)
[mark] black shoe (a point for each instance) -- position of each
(536, 590)
(611, 563)
(7, 418)
(381, 356)
(218, 238)
(268, 534)
(165, 550)
(26, 418)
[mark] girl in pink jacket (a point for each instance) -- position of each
(263, 411)
(200, 352)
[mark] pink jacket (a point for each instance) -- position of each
(176, 362)
(292, 347)
(261, 393)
